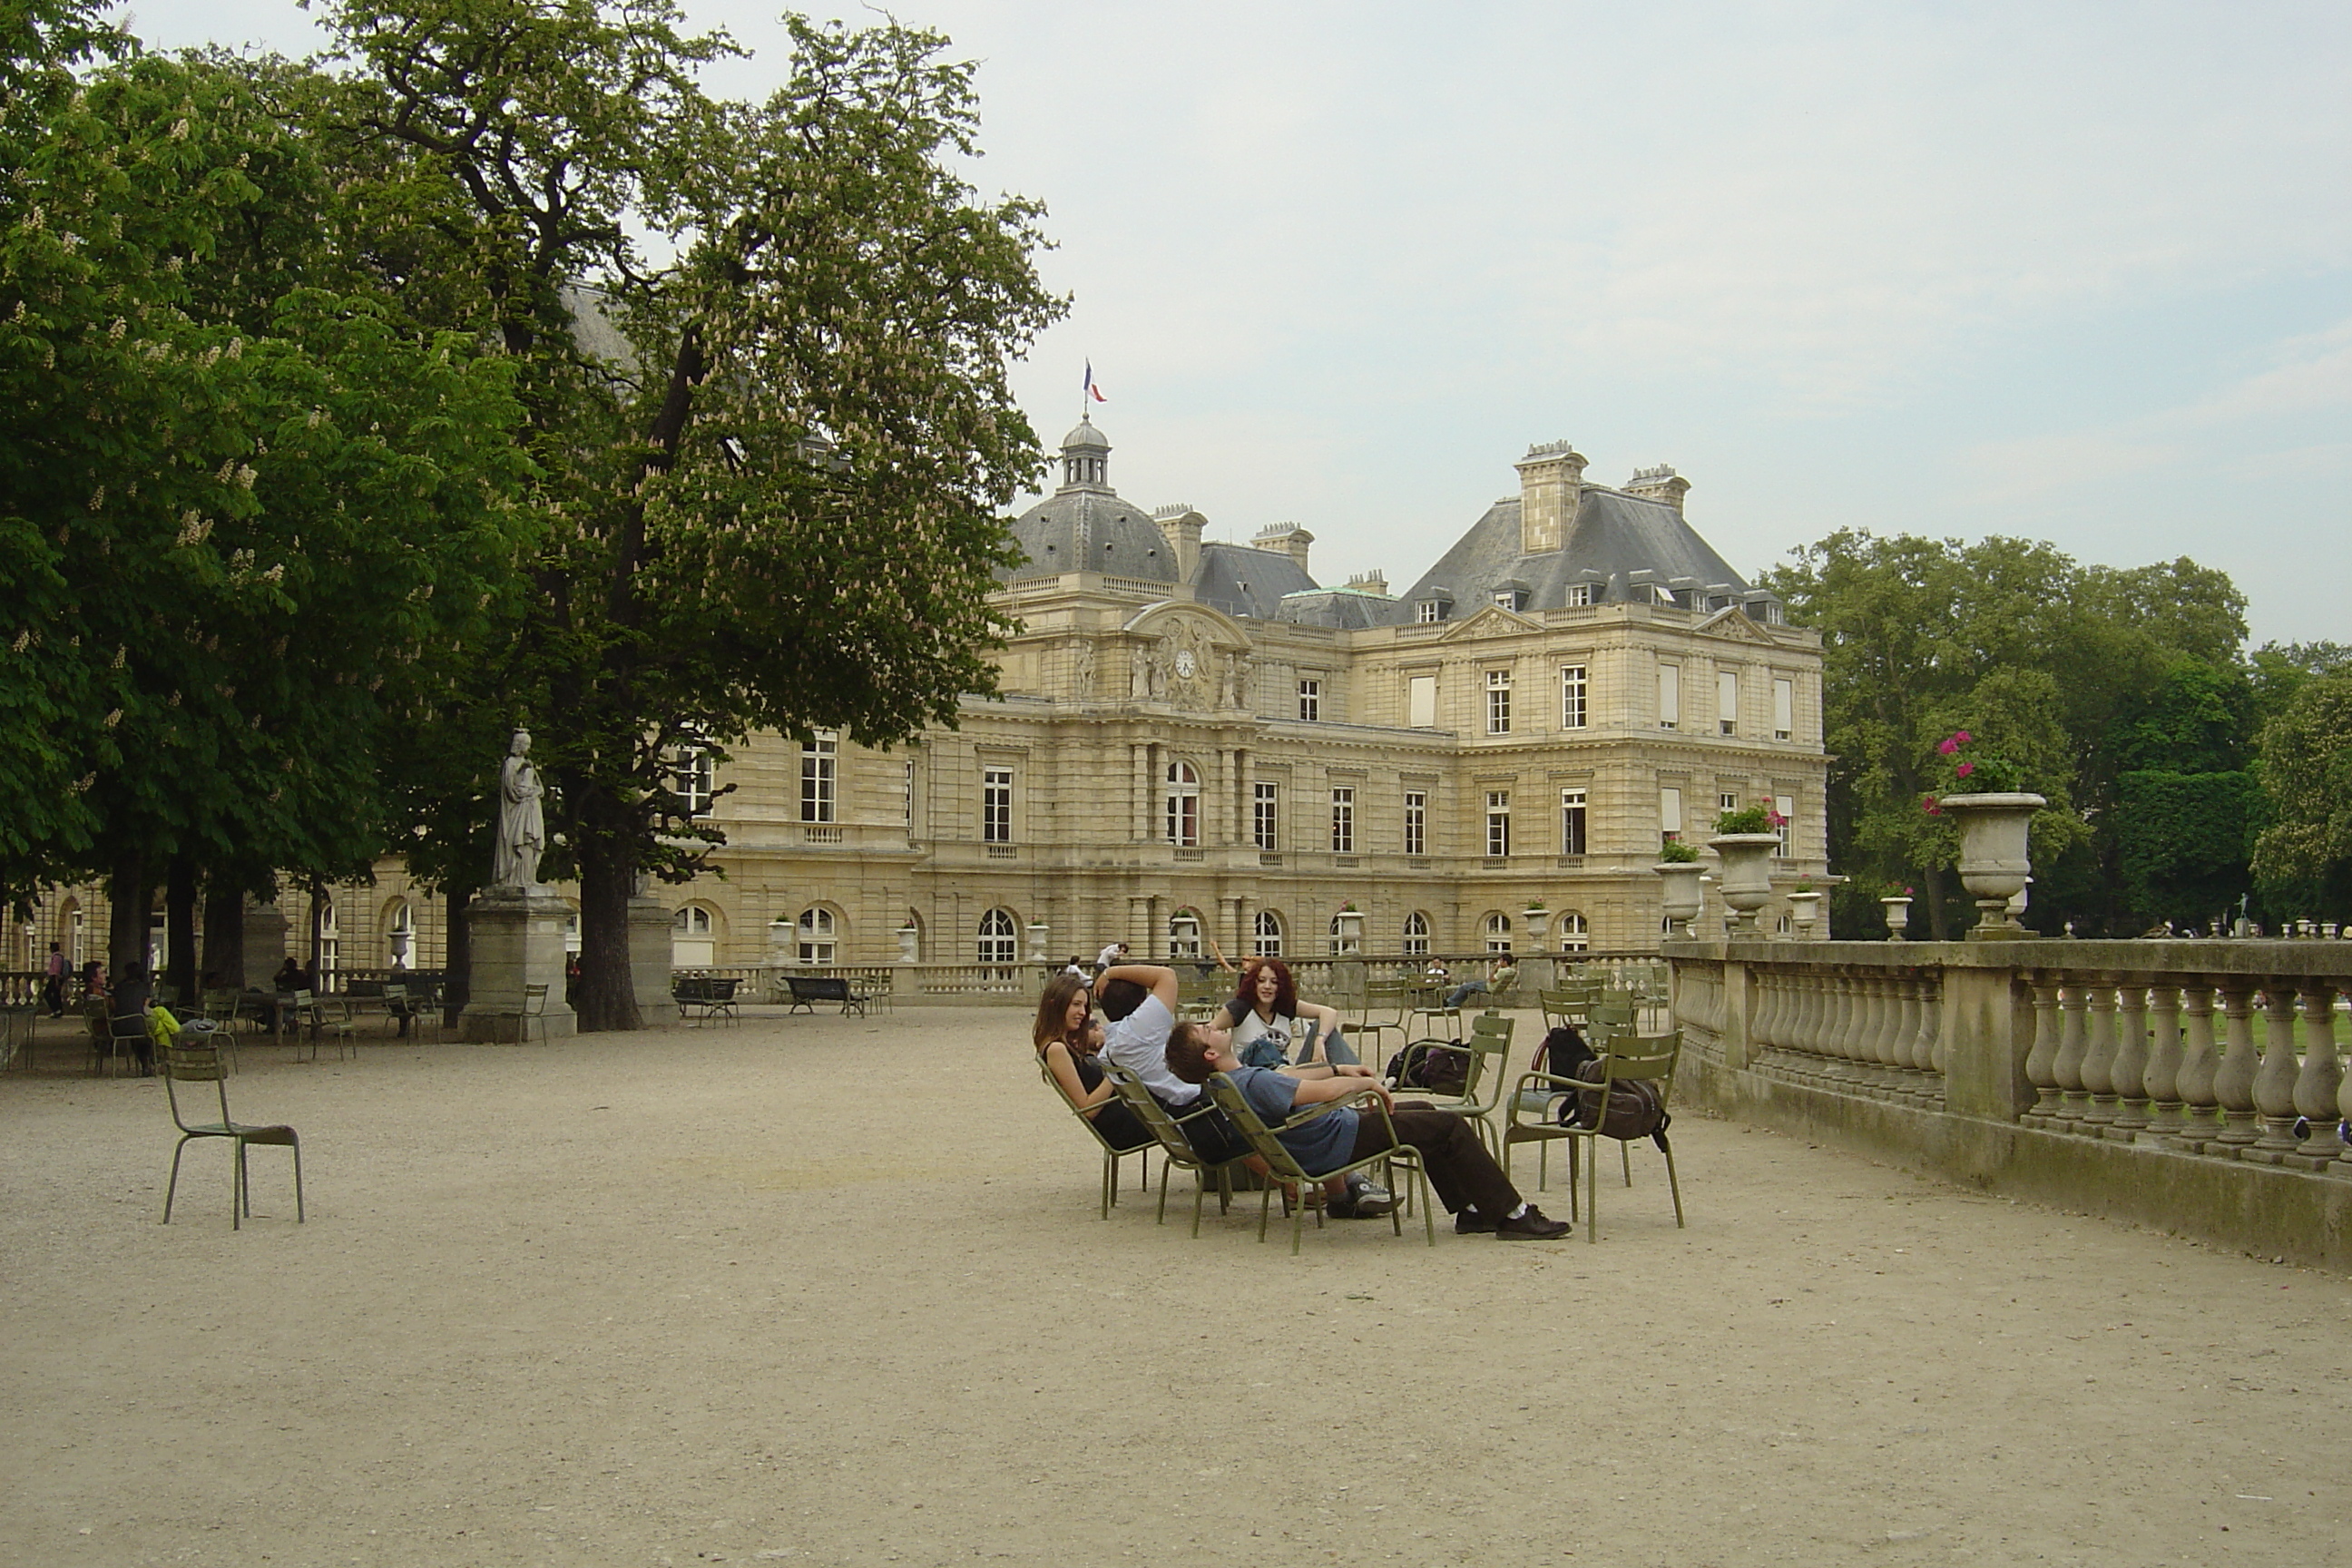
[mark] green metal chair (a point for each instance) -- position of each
(1567, 1004)
(414, 1011)
(1112, 1153)
(200, 1062)
(1266, 1142)
(1387, 1003)
(334, 1018)
(1536, 1103)
(534, 1010)
(1176, 1151)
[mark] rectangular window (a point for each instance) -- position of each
(910, 800)
(1265, 807)
(1579, 595)
(1572, 694)
(1784, 708)
(1416, 822)
(1310, 700)
(820, 761)
(1727, 802)
(1785, 805)
(1420, 702)
(1670, 814)
(1571, 822)
(1727, 699)
(1343, 821)
(695, 782)
(1498, 702)
(1428, 611)
(996, 805)
(1498, 823)
(1670, 696)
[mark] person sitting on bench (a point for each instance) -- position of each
(1469, 1184)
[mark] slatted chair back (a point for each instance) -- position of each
(194, 1060)
(1112, 1151)
(1176, 1150)
(1265, 1140)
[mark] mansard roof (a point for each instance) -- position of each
(1614, 536)
(1085, 529)
(1241, 581)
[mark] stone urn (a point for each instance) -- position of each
(1350, 923)
(1746, 874)
(1683, 899)
(1898, 914)
(909, 935)
(1804, 909)
(1536, 918)
(1994, 865)
(1038, 931)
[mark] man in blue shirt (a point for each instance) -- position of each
(1469, 1184)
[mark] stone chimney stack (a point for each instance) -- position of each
(1181, 526)
(1552, 482)
(1659, 484)
(1284, 539)
(1374, 582)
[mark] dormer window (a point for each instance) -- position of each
(1430, 611)
(1579, 595)
(1511, 599)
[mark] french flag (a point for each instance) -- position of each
(1092, 390)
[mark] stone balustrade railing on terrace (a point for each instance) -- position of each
(2162, 1082)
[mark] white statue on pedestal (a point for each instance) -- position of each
(522, 825)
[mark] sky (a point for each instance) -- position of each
(2066, 271)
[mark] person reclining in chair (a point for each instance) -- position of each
(1139, 1000)
(1469, 1184)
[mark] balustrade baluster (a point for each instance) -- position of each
(2131, 1062)
(2201, 1112)
(1890, 1031)
(1906, 1039)
(2099, 1062)
(2233, 1079)
(2163, 1075)
(2041, 1061)
(1772, 1007)
(1847, 1031)
(1820, 1029)
(2274, 1079)
(2322, 1078)
(1928, 1052)
(1869, 1016)
(1812, 1002)
(2074, 1101)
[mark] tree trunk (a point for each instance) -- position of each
(608, 994)
(457, 961)
(179, 928)
(318, 931)
(1933, 881)
(225, 934)
(127, 915)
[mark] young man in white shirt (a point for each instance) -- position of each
(1139, 1000)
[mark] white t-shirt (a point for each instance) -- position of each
(1139, 1043)
(1106, 957)
(1283, 1032)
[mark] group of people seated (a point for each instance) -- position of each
(1282, 1054)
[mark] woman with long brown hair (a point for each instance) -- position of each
(1066, 1039)
(1269, 1019)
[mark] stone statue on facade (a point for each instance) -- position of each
(1085, 669)
(522, 824)
(1160, 660)
(1139, 672)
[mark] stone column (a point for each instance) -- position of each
(265, 946)
(1737, 1007)
(1990, 1022)
(1139, 794)
(650, 925)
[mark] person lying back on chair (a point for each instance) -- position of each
(1469, 1184)
(1139, 1000)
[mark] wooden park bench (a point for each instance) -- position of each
(708, 995)
(807, 990)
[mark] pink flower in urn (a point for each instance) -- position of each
(1964, 770)
(1964, 737)
(1927, 804)
(1948, 746)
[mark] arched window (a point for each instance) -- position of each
(1416, 935)
(330, 937)
(693, 941)
(1000, 937)
(813, 935)
(1575, 936)
(1183, 825)
(1498, 932)
(1266, 933)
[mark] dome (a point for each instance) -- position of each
(1087, 530)
(1086, 435)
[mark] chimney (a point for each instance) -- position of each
(1181, 526)
(1551, 482)
(1374, 582)
(1284, 539)
(1659, 484)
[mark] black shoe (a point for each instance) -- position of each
(1470, 1222)
(1364, 1203)
(1532, 1227)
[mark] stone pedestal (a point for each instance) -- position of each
(265, 947)
(518, 941)
(650, 925)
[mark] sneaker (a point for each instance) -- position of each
(1470, 1222)
(1364, 1203)
(1532, 1227)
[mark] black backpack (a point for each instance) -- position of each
(1437, 1066)
(1636, 1108)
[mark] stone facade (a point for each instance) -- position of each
(1198, 736)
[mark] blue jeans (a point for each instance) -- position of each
(1463, 991)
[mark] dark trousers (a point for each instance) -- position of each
(1464, 1174)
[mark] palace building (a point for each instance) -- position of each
(1199, 739)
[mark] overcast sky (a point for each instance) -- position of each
(2074, 272)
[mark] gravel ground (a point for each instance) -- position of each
(835, 1291)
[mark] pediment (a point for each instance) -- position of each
(1733, 625)
(1190, 622)
(1492, 621)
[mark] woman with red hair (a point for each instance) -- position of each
(1268, 1020)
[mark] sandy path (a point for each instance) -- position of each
(718, 1296)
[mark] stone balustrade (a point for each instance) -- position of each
(2194, 1086)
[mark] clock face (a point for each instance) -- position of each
(1184, 666)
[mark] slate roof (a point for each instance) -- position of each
(1089, 529)
(1241, 581)
(1614, 535)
